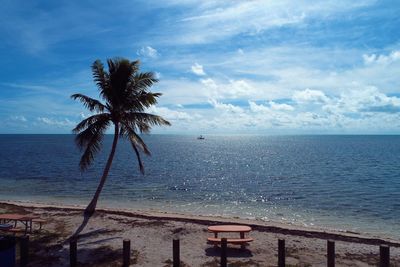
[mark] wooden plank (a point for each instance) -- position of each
(384, 252)
(39, 220)
(330, 253)
(281, 253)
(126, 254)
(13, 230)
(223, 252)
(176, 261)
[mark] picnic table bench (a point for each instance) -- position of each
(13, 230)
(241, 229)
(26, 220)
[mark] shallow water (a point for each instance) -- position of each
(341, 182)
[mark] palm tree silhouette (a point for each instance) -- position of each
(126, 94)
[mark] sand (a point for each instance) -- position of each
(151, 235)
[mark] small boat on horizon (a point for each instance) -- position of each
(201, 137)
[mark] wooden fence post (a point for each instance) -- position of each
(126, 254)
(281, 253)
(330, 253)
(224, 245)
(176, 253)
(73, 252)
(24, 250)
(384, 256)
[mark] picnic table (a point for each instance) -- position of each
(241, 229)
(25, 219)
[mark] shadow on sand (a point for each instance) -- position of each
(230, 252)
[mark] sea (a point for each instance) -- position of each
(337, 182)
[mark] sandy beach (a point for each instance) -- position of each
(151, 235)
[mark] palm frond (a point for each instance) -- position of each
(89, 103)
(136, 142)
(112, 64)
(139, 102)
(129, 132)
(100, 77)
(149, 99)
(141, 167)
(90, 140)
(146, 118)
(115, 63)
(142, 81)
(90, 120)
(143, 127)
(120, 72)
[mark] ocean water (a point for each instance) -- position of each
(337, 182)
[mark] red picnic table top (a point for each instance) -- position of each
(17, 217)
(229, 228)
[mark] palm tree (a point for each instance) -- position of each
(126, 96)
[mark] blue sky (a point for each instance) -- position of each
(225, 67)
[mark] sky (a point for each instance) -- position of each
(224, 66)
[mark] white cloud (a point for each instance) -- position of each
(310, 96)
(226, 20)
(239, 88)
(276, 72)
(311, 119)
(367, 100)
(34, 88)
(254, 107)
(148, 51)
(225, 107)
(341, 100)
(198, 69)
(231, 89)
(56, 122)
(351, 112)
(170, 114)
(216, 20)
(19, 118)
(210, 83)
(382, 59)
(157, 75)
(281, 107)
(181, 91)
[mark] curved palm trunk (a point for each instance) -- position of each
(93, 203)
(90, 209)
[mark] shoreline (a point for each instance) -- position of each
(259, 225)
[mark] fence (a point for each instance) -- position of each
(384, 260)
(384, 252)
